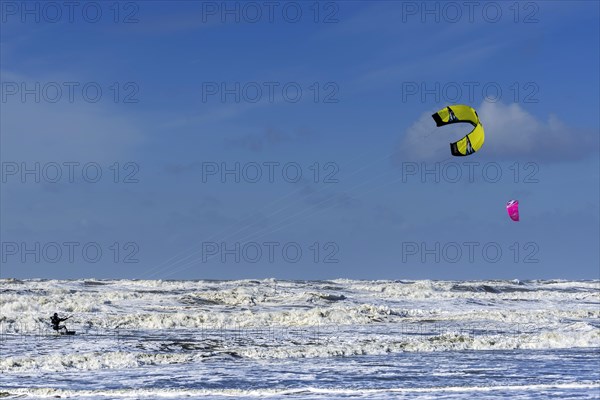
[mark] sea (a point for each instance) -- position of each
(335, 339)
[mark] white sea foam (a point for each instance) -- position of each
(303, 393)
(276, 339)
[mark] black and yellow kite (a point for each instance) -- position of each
(461, 113)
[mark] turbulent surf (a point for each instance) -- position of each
(298, 339)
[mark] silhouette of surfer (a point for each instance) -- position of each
(55, 320)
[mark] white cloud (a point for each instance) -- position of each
(510, 133)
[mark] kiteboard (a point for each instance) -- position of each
(67, 332)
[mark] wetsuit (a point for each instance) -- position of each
(55, 320)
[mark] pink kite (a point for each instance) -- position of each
(513, 209)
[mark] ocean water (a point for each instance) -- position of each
(301, 339)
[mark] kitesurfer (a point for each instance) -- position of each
(55, 320)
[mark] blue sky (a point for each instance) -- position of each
(369, 75)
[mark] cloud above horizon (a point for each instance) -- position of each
(510, 133)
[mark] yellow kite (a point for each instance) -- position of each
(461, 113)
